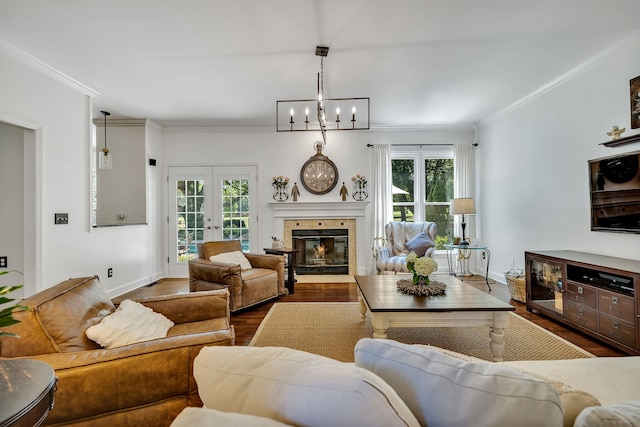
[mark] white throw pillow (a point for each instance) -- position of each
(445, 391)
(132, 322)
(295, 387)
(235, 257)
(626, 414)
(204, 417)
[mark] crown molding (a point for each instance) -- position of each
(562, 79)
(45, 68)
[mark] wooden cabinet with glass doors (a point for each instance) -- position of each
(594, 294)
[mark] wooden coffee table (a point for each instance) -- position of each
(463, 305)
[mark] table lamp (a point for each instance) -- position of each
(463, 206)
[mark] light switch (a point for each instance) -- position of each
(61, 218)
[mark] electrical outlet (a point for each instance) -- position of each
(3, 262)
(484, 255)
(513, 262)
(110, 272)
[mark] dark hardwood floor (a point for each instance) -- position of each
(246, 322)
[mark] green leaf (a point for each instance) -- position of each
(8, 321)
(6, 289)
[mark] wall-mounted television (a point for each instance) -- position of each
(615, 193)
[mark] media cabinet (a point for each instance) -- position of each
(594, 294)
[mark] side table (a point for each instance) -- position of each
(464, 253)
(291, 260)
(27, 390)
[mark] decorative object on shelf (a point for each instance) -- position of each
(420, 284)
(615, 132)
(288, 111)
(634, 95)
(295, 193)
(319, 175)
(105, 160)
(276, 243)
(343, 192)
(360, 188)
(280, 188)
(463, 206)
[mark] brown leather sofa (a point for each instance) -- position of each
(264, 281)
(142, 384)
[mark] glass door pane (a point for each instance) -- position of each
(547, 285)
(189, 215)
(235, 211)
(235, 205)
(190, 218)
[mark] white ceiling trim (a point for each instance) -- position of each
(45, 68)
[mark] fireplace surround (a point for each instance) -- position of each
(352, 216)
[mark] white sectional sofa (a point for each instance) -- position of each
(394, 384)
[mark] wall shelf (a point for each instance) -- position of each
(622, 141)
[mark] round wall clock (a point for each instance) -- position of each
(319, 175)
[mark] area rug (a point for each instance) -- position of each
(333, 329)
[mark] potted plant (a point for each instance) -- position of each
(6, 314)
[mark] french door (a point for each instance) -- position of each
(210, 203)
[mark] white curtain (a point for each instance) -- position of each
(463, 182)
(381, 191)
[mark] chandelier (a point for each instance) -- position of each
(295, 115)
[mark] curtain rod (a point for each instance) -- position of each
(475, 144)
(412, 145)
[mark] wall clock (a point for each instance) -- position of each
(319, 175)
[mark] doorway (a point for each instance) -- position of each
(19, 149)
(210, 203)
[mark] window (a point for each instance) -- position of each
(423, 188)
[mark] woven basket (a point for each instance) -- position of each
(516, 285)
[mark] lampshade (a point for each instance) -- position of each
(463, 206)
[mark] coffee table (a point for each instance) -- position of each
(463, 305)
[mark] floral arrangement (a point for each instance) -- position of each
(280, 181)
(359, 181)
(421, 267)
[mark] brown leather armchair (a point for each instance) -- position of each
(142, 384)
(264, 281)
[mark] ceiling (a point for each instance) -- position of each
(225, 63)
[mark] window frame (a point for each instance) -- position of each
(420, 153)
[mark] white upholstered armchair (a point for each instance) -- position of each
(402, 238)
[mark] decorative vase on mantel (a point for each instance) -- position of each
(360, 191)
(280, 188)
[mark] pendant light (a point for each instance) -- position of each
(105, 159)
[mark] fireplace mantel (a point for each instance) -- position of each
(318, 209)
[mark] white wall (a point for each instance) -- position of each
(284, 153)
(533, 184)
(12, 205)
(60, 117)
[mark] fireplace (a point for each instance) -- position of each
(321, 231)
(324, 251)
(315, 216)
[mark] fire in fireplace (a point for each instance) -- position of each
(323, 251)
